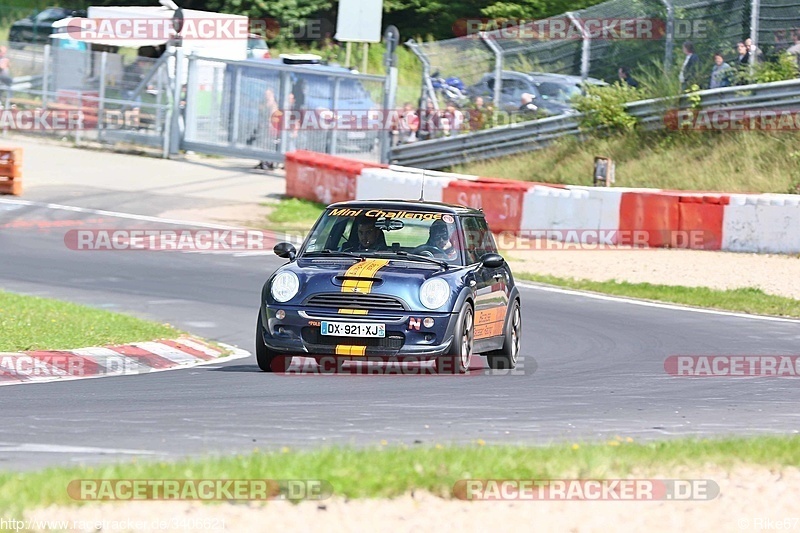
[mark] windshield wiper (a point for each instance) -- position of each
(444, 264)
(333, 253)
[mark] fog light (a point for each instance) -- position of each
(428, 322)
(280, 314)
(281, 331)
(428, 337)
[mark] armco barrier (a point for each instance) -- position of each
(322, 178)
(683, 219)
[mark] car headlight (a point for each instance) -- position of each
(285, 286)
(434, 293)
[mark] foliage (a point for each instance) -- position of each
(784, 67)
(604, 107)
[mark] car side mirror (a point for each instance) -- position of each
(285, 250)
(492, 260)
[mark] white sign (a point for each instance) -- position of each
(359, 21)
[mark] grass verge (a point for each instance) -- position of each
(393, 471)
(749, 300)
(31, 323)
(293, 214)
(747, 161)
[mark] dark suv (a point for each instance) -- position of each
(37, 28)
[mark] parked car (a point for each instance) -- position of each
(312, 89)
(36, 29)
(257, 47)
(561, 87)
(551, 92)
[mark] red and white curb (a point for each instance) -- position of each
(41, 366)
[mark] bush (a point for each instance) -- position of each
(603, 108)
(784, 68)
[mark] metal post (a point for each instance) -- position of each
(426, 74)
(286, 89)
(237, 102)
(175, 128)
(754, 16)
(670, 42)
(101, 105)
(392, 39)
(586, 49)
(45, 74)
(334, 131)
(364, 57)
(498, 73)
(190, 128)
(348, 54)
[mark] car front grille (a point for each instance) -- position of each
(355, 300)
(393, 341)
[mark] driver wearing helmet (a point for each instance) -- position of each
(439, 237)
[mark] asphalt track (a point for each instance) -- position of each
(599, 363)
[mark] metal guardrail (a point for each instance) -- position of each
(537, 134)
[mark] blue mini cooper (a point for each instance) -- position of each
(392, 280)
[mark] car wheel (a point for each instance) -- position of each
(268, 360)
(458, 360)
(506, 357)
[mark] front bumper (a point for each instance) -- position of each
(298, 333)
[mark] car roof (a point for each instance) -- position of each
(565, 78)
(416, 205)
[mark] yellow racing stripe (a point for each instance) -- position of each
(350, 350)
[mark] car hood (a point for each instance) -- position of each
(399, 278)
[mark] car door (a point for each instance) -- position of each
(491, 290)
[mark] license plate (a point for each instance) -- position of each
(353, 329)
(357, 135)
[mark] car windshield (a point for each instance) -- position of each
(562, 92)
(373, 232)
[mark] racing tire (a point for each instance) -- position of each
(460, 356)
(506, 357)
(268, 360)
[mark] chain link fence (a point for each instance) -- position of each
(596, 41)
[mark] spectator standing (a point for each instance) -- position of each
(626, 78)
(476, 119)
(753, 50)
(527, 107)
(689, 68)
(453, 119)
(795, 48)
(720, 73)
(429, 121)
(407, 125)
(268, 131)
(743, 58)
(781, 43)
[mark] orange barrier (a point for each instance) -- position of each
(648, 218)
(700, 221)
(11, 171)
(502, 201)
(323, 178)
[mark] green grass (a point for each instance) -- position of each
(753, 301)
(293, 214)
(394, 470)
(729, 162)
(30, 323)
